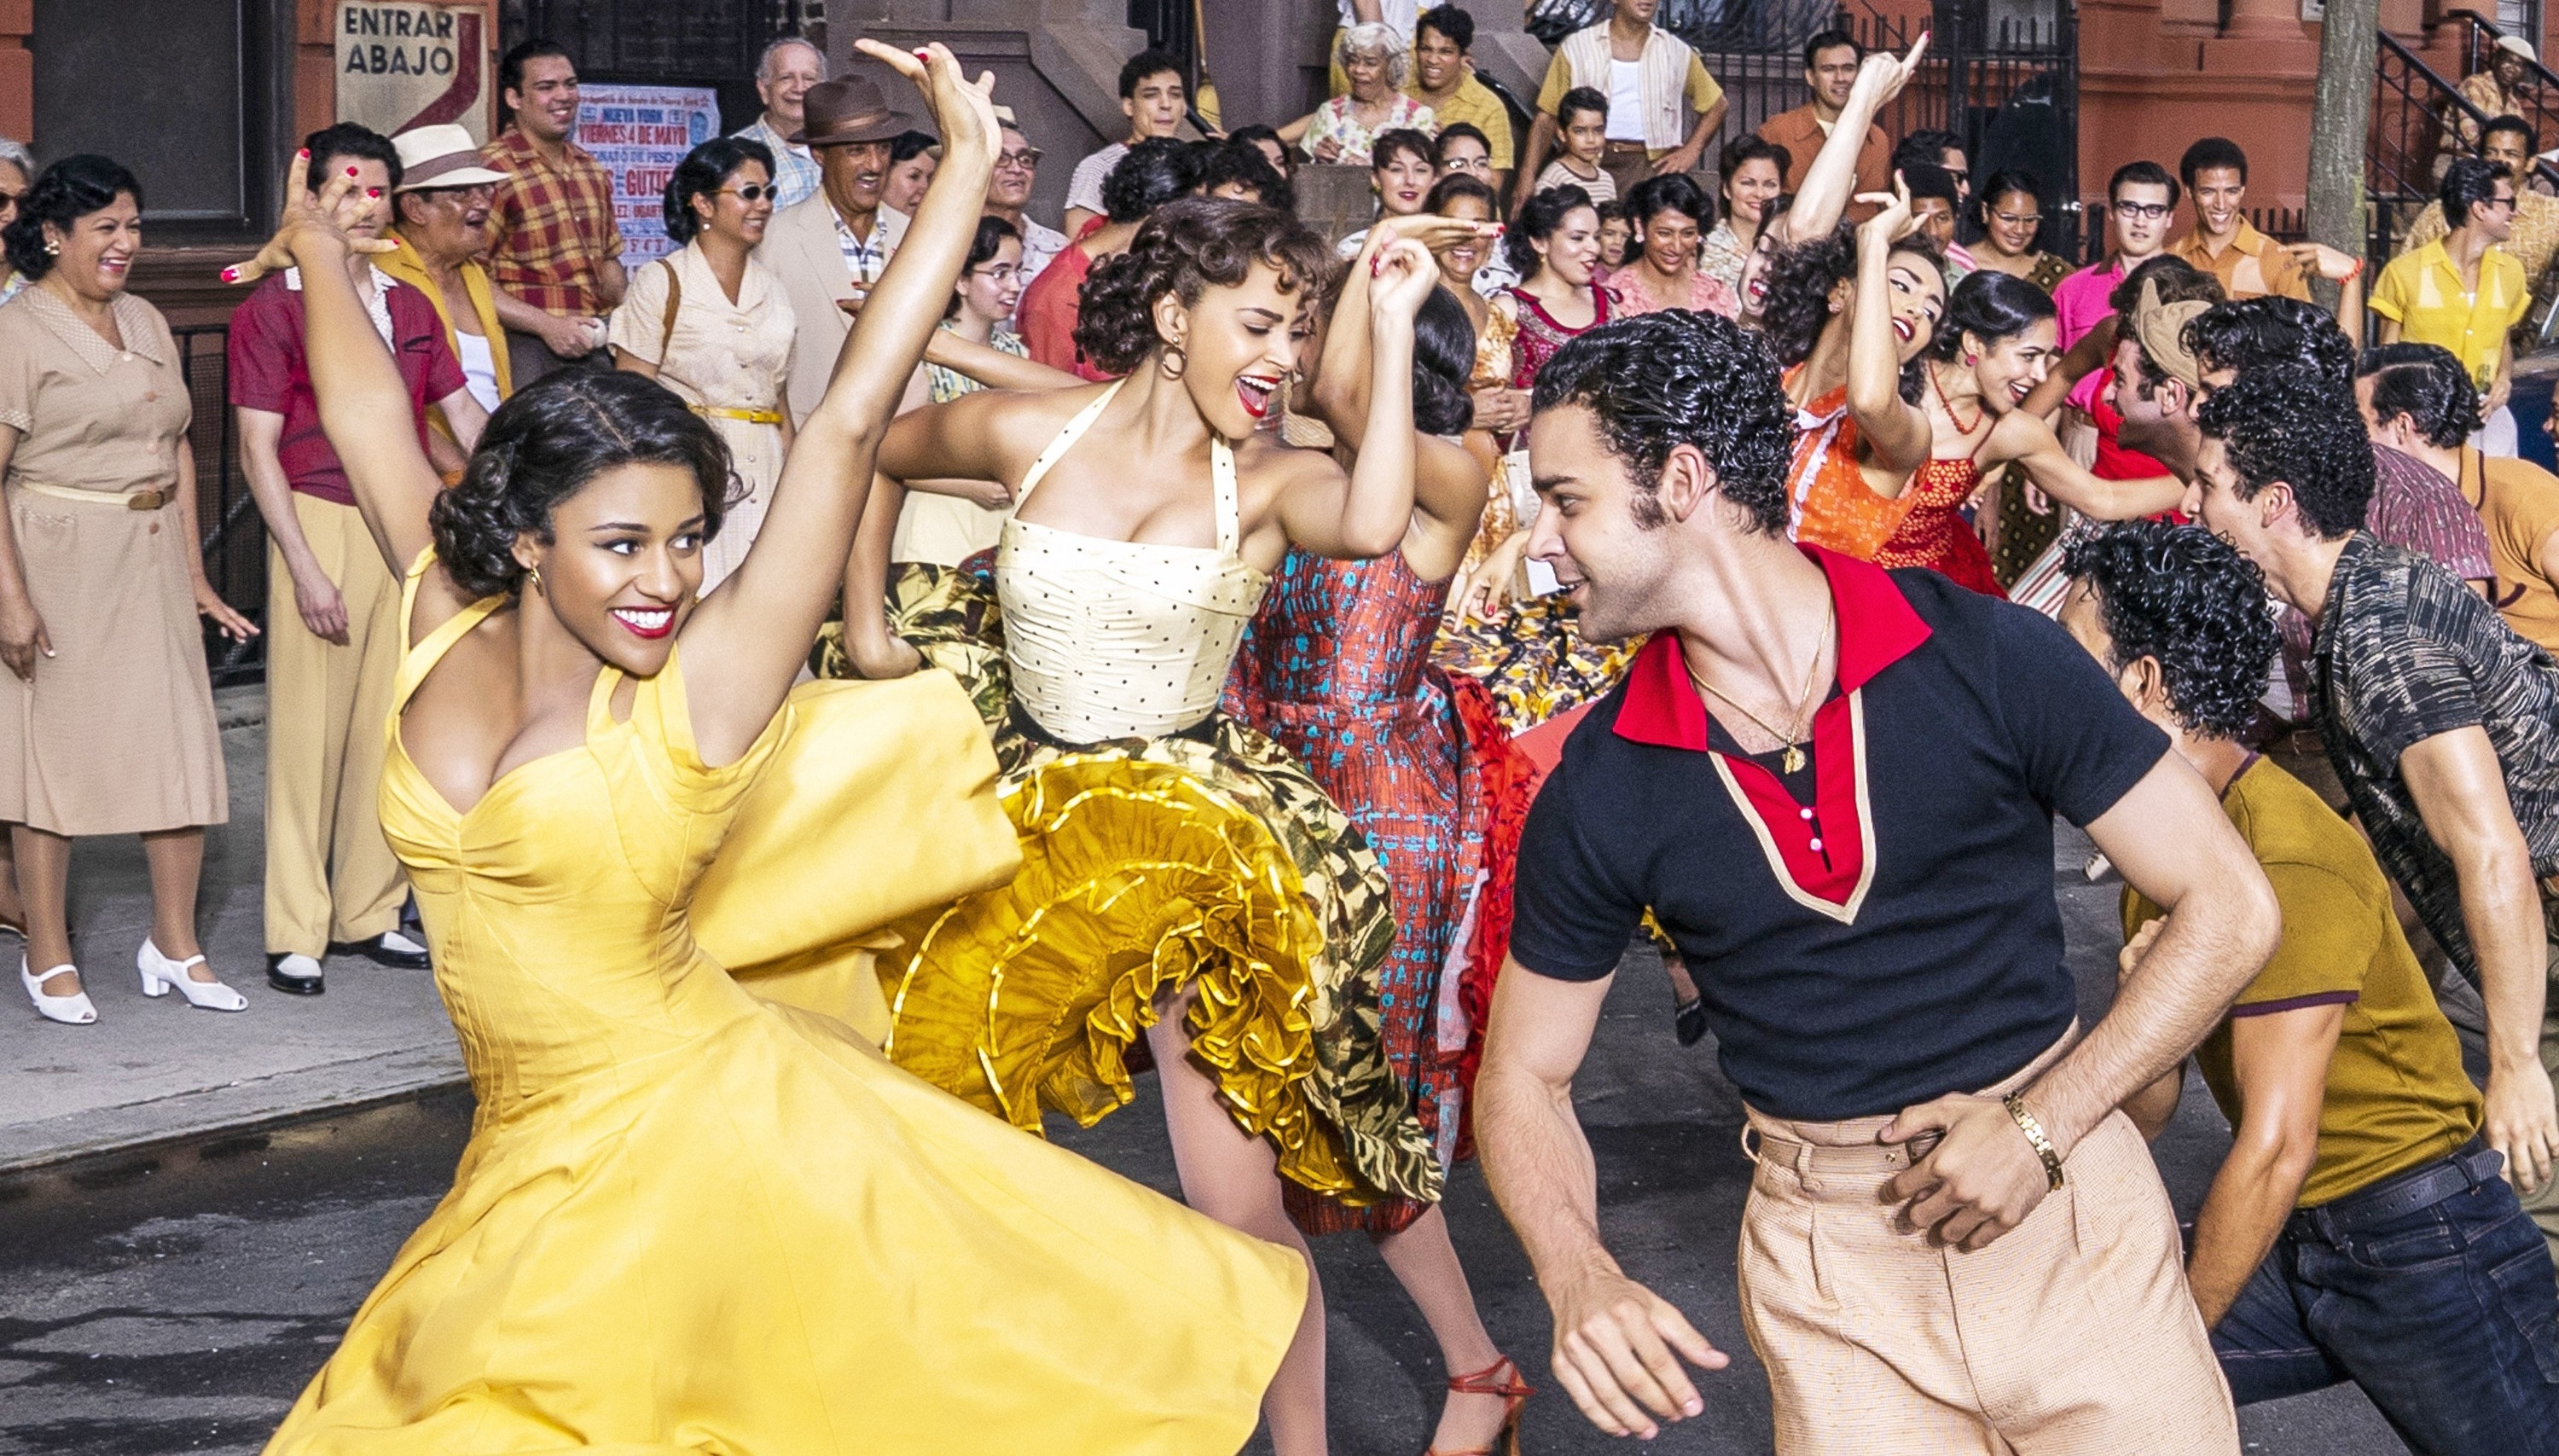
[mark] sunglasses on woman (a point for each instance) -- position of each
(753, 193)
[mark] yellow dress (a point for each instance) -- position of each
(1164, 847)
(691, 1220)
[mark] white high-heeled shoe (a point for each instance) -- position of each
(72, 1010)
(160, 975)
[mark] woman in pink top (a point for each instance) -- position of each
(1668, 213)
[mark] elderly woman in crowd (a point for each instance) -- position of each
(1343, 128)
(106, 714)
(17, 174)
(711, 324)
(439, 219)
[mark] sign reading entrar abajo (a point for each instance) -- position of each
(401, 65)
(640, 133)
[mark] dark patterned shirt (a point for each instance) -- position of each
(2406, 652)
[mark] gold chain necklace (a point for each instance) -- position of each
(1792, 761)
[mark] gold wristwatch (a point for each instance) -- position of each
(2034, 1131)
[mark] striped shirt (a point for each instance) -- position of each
(794, 169)
(2406, 652)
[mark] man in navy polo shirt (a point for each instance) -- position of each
(1833, 788)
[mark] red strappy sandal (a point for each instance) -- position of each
(1514, 1392)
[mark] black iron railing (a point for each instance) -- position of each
(232, 539)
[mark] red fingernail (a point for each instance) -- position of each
(923, 53)
(231, 275)
(351, 172)
(304, 154)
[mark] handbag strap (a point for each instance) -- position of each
(675, 301)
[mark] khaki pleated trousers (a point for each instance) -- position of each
(329, 874)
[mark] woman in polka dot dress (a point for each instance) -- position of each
(1187, 893)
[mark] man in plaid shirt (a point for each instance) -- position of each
(553, 249)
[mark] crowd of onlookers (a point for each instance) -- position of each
(2374, 485)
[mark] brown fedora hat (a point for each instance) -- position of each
(849, 110)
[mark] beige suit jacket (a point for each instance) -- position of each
(800, 250)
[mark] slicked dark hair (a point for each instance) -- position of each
(542, 444)
(2518, 125)
(2188, 600)
(1154, 172)
(2145, 174)
(511, 66)
(1680, 378)
(2286, 423)
(1990, 306)
(2211, 153)
(2468, 182)
(1928, 179)
(347, 139)
(1187, 246)
(1579, 98)
(704, 172)
(1830, 40)
(2427, 383)
(2259, 333)
(1443, 359)
(1455, 131)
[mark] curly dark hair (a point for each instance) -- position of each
(542, 444)
(1990, 306)
(1443, 359)
(2188, 600)
(2288, 423)
(1680, 378)
(62, 195)
(1154, 172)
(1797, 305)
(1224, 163)
(1536, 222)
(1186, 247)
(2427, 383)
(2255, 332)
(705, 170)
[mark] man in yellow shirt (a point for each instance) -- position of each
(2465, 292)
(2223, 243)
(2533, 239)
(2358, 1228)
(1445, 80)
(1662, 105)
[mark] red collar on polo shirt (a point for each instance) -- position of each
(1818, 853)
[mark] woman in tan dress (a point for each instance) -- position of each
(106, 715)
(711, 323)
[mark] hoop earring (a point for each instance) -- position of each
(535, 573)
(1176, 362)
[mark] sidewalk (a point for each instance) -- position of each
(156, 1071)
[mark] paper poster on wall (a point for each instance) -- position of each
(403, 66)
(640, 133)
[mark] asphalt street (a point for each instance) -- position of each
(178, 1301)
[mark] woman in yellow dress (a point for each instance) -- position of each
(1184, 883)
(691, 1219)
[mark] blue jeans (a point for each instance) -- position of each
(2446, 1314)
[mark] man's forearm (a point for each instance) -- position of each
(2243, 1213)
(1540, 137)
(273, 496)
(1539, 1165)
(2502, 911)
(519, 315)
(2202, 960)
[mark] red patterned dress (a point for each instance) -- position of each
(1933, 532)
(1336, 668)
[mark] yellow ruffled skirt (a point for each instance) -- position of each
(1208, 862)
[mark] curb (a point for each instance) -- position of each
(303, 1094)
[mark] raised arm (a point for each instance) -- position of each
(1617, 1345)
(1897, 433)
(353, 381)
(1448, 481)
(1822, 193)
(750, 637)
(994, 367)
(1367, 515)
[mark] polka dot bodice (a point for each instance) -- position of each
(1113, 638)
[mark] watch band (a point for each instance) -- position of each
(2034, 1131)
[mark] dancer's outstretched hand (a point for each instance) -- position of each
(1402, 275)
(1893, 219)
(963, 109)
(1618, 1349)
(1884, 74)
(304, 216)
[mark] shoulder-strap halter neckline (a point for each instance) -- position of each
(1221, 457)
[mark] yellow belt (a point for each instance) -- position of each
(751, 416)
(148, 499)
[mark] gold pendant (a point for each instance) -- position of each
(1793, 762)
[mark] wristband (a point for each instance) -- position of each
(2358, 270)
(2034, 1131)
